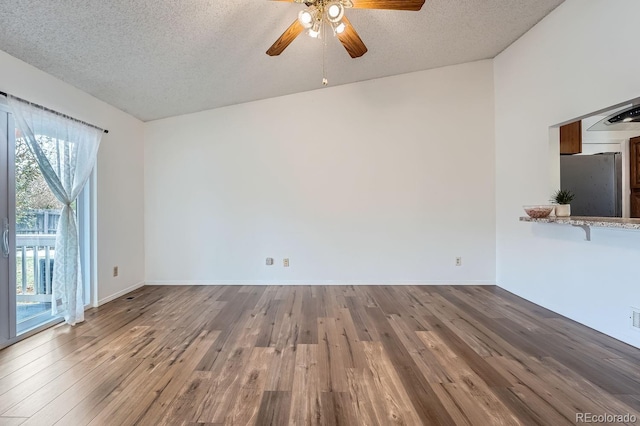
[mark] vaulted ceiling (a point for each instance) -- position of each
(160, 58)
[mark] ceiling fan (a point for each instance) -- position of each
(321, 12)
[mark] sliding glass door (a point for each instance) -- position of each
(8, 317)
(29, 215)
(28, 220)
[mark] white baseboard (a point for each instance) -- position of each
(290, 282)
(319, 282)
(120, 293)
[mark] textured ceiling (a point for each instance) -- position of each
(160, 58)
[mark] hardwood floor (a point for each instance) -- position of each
(346, 355)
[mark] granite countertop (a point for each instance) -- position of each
(599, 222)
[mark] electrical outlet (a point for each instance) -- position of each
(269, 261)
(285, 262)
(458, 261)
(115, 271)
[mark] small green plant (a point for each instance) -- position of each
(563, 196)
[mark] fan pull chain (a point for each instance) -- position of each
(324, 53)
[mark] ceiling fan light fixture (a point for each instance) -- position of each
(319, 13)
(335, 11)
(315, 29)
(306, 17)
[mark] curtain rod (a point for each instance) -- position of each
(57, 113)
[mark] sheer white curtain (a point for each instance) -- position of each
(66, 152)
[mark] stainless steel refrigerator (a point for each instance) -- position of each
(596, 180)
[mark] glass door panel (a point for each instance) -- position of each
(37, 216)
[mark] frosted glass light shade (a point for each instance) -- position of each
(335, 11)
(306, 18)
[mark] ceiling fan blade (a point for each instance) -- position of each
(351, 40)
(296, 1)
(286, 38)
(388, 4)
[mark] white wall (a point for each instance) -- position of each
(120, 215)
(384, 181)
(572, 63)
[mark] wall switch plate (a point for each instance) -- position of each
(458, 261)
(285, 262)
(115, 271)
(269, 261)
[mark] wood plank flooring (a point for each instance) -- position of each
(311, 355)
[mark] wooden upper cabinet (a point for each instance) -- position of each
(571, 138)
(634, 156)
